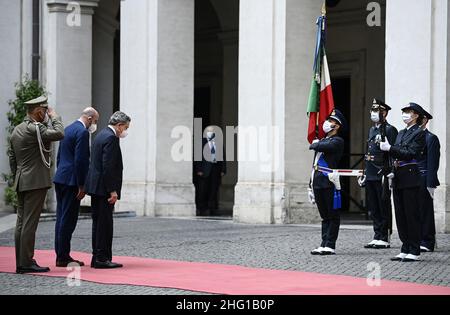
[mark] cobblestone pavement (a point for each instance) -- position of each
(275, 247)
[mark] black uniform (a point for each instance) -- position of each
(429, 165)
(408, 148)
(379, 208)
(324, 190)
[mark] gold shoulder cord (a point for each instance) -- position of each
(42, 148)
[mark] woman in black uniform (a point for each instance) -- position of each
(329, 152)
(407, 150)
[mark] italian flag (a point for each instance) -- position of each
(320, 102)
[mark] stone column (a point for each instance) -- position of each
(417, 70)
(68, 56)
(67, 60)
(277, 39)
(157, 91)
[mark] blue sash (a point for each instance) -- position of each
(337, 199)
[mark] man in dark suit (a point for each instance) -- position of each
(72, 168)
(104, 184)
(429, 166)
(209, 172)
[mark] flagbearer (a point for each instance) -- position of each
(378, 166)
(406, 151)
(428, 165)
(326, 189)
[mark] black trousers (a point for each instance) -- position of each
(407, 215)
(68, 207)
(208, 188)
(379, 210)
(331, 219)
(428, 227)
(102, 228)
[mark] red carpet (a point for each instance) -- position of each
(221, 279)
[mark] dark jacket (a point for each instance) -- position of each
(333, 149)
(106, 167)
(429, 162)
(73, 156)
(409, 147)
(206, 164)
(374, 153)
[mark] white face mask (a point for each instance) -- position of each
(124, 134)
(327, 126)
(92, 128)
(375, 117)
(210, 134)
(407, 117)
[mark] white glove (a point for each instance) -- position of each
(315, 141)
(385, 146)
(431, 191)
(362, 181)
(334, 178)
(311, 197)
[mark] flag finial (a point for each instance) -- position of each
(324, 9)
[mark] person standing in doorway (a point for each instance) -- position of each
(210, 172)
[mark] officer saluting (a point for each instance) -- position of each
(378, 196)
(406, 151)
(30, 161)
(428, 165)
(326, 194)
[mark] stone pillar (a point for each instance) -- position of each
(277, 39)
(417, 69)
(67, 60)
(157, 91)
(68, 57)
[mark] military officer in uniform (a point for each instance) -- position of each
(429, 166)
(324, 192)
(30, 161)
(378, 201)
(406, 151)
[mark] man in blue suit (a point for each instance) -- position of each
(104, 184)
(72, 168)
(429, 166)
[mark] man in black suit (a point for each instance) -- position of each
(103, 184)
(429, 166)
(209, 172)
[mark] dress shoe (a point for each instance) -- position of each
(399, 257)
(382, 245)
(326, 251)
(317, 251)
(371, 244)
(106, 265)
(34, 268)
(410, 258)
(68, 262)
(424, 249)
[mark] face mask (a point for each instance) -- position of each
(92, 128)
(210, 134)
(407, 117)
(327, 126)
(124, 134)
(375, 117)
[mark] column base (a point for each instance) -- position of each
(156, 200)
(263, 203)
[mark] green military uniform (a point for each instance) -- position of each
(29, 157)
